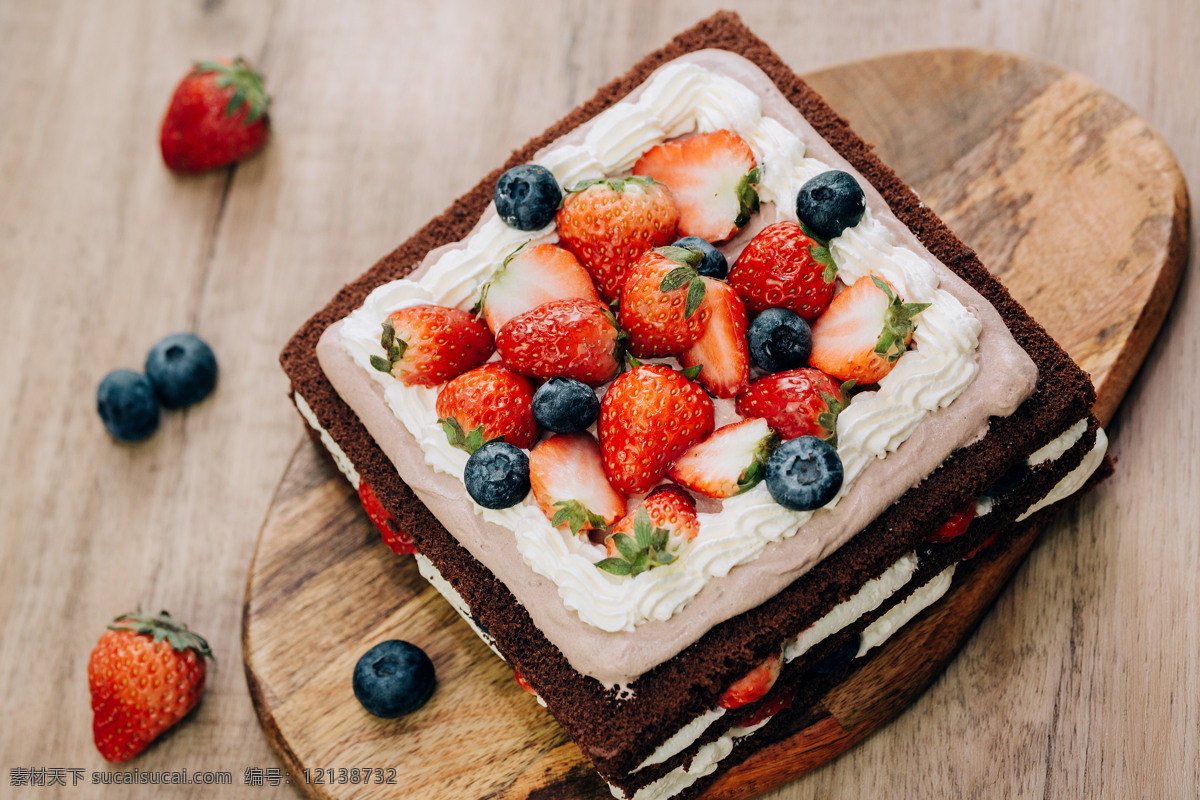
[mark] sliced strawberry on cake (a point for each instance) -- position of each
(426, 345)
(397, 540)
(728, 462)
(784, 267)
(564, 339)
(661, 309)
(721, 351)
(647, 536)
(608, 224)
(864, 332)
(487, 403)
(530, 276)
(711, 176)
(568, 480)
(797, 402)
(753, 685)
(648, 417)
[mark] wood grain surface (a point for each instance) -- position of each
(1024, 187)
(383, 113)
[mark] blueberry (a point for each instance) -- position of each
(830, 203)
(804, 473)
(527, 197)
(714, 264)
(393, 678)
(779, 339)
(127, 406)
(565, 405)
(497, 475)
(182, 368)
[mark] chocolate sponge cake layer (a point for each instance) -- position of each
(618, 734)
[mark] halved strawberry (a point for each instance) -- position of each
(797, 402)
(730, 461)
(753, 685)
(647, 536)
(661, 308)
(648, 416)
(563, 338)
(425, 345)
(608, 224)
(530, 276)
(784, 267)
(568, 480)
(721, 350)
(486, 403)
(393, 535)
(711, 176)
(864, 331)
(955, 526)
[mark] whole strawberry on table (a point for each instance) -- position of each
(217, 115)
(145, 674)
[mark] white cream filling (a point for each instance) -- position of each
(430, 573)
(703, 763)
(1055, 449)
(903, 612)
(339, 457)
(1075, 479)
(683, 738)
(679, 99)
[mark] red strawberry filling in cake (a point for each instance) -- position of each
(744, 428)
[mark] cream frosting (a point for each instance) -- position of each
(1075, 479)
(940, 369)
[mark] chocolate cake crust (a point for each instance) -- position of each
(615, 735)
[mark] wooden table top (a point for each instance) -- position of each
(102, 252)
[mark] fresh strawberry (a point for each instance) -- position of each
(661, 308)
(730, 461)
(668, 507)
(753, 685)
(563, 338)
(486, 403)
(393, 535)
(864, 332)
(770, 708)
(711, 176)
(648, 416)
(783, 267)
(721, 350)
(425, 345)
(569, 484)
(524, 684)
(530, 276)
(955, 526)
(217, 115)
(797, 402)
(608, 224)
(642, 539)
(145, 674)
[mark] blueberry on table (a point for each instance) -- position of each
(714, 264)
(182, 368)
(779, 339)
(830, 203)
(565, 405)
(497, 475)
(527, 197)
(804, 473)
(127, 406)
(393, 678)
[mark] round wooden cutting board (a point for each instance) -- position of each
(1067, 196)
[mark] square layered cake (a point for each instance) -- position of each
(670, 645)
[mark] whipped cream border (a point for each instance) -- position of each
(682, 98)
